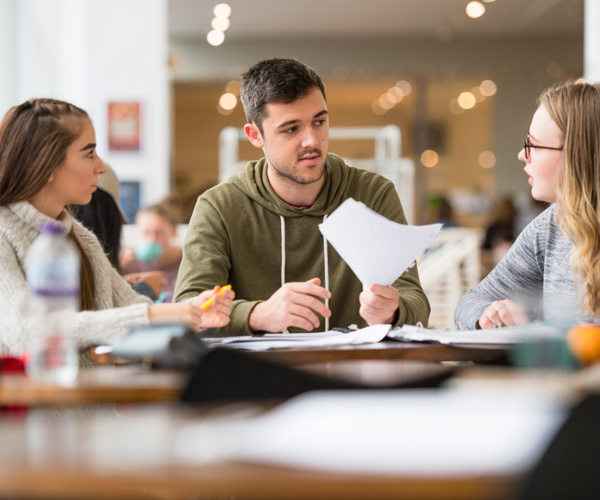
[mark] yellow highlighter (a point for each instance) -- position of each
(209, 302)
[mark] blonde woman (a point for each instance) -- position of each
(552, 272)
(48, 161)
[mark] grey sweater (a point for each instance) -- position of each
(118, 307)
(535, 272)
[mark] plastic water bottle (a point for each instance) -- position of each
(53, 269)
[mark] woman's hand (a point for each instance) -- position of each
(503, 313)
(215, 316)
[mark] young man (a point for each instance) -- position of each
(259, 230)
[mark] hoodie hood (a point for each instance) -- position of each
(253, 181)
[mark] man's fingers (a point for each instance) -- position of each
(387, 292)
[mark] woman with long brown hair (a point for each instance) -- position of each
(48, 161)
(552, 272)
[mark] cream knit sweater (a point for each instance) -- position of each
(118, 307)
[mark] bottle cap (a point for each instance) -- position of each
(52, 228)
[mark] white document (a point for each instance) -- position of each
(445, 432)
(366, 335)
(377, 249)
(501, 336)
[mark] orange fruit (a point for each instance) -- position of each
(584, 343)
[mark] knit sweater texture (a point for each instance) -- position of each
(242, 233)
(536, 272)
(118, 307)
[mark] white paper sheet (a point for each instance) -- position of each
(493, 336)
(366, 335)
(377, 249)
(421, 433)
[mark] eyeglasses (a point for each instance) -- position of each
(527, 147)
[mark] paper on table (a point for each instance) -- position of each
(501, 336)
(366, 335)
(377, 249)
(421, 433)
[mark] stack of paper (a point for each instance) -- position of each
(303, 340)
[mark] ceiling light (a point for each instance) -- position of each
(233, 87)
(487, 159)
(220, 23)
(228, 101)
(429, 158)
(215, 37)
(475, 10)
(393, 96)
(222, 10)
(404, 86)
(466, 100)
(488, 88)
(385, 103)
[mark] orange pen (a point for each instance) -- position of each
(210, 301)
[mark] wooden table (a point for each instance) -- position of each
(108, 384)
(132, 454)
(389, 350)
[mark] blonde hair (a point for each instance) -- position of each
(168, 208)
(575, 108)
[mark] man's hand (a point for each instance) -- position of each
(378, 304)
(294, 304)
(503, 313)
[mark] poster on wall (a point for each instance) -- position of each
(130, 198)
(124, 127)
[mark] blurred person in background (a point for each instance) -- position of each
(105, 217)
(156, 250)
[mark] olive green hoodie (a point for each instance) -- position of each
(242, 233)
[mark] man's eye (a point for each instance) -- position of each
(90, 154)
(289, 130)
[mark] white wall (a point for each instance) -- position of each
(592, 41)
(91, 52)
(7, 55)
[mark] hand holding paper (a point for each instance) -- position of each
(377, 249)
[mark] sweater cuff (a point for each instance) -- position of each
(240, 316)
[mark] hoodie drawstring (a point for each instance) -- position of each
(326, 257)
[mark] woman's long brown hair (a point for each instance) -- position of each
(34, 138)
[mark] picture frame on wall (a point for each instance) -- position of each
(124, 126)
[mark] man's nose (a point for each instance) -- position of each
(309, 138)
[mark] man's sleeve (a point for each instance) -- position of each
(206, 262)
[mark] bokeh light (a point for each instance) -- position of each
(429, 158)
(475, 10)
(488, 88)
(228, 101)
(466, 100)
(222, 10)
(486, 159)
(220, 23)
(215, 37)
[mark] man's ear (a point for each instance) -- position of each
(254, 135)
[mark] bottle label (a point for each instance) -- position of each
(54, 278)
